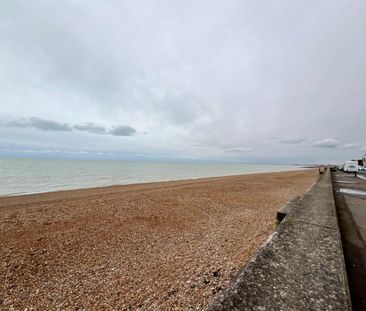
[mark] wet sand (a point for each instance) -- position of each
(158, 246)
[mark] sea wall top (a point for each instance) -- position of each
(301, 266)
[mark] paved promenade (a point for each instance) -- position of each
(350, 197)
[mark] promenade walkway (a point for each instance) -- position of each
(350, 198)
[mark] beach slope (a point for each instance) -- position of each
(167, 246)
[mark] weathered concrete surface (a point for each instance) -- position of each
(284, 210)
(301, 267)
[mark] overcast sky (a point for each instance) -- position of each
(248, 81)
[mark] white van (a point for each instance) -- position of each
(350, 166)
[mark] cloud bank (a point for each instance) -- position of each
(38, 123)
(50, 125)
(91, 128)
(326, 143)
(220, 75)
(122, 130)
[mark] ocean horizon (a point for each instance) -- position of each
(32, 175)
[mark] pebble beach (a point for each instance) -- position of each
(154, 246)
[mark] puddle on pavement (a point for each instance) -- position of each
(361, 177)
(352, 191)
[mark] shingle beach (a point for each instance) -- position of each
(158, 246)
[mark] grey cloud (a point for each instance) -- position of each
(38, 123)
(91, 128)
(15, 123)
(50, 125)
(326, 143)
(122, 130)
(293, 141)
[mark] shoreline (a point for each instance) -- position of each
(29, 177)
(141, 246)
(24, 194)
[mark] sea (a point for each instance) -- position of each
(25, 176)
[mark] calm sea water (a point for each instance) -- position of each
(22, 176)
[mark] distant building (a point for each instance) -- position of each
(364, 160)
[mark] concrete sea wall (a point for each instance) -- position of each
(301, 265)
